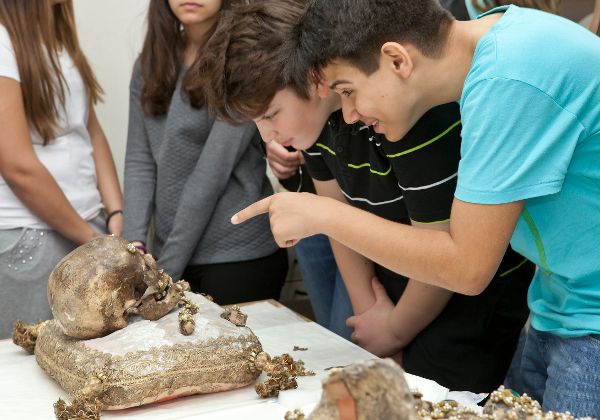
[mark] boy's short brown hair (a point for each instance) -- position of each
(241, 66)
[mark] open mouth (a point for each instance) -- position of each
(373, 124)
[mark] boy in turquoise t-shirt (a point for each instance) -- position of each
(529, 90)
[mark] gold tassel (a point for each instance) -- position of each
(81, 409)
(25, 335)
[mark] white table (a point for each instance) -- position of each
(26, 392)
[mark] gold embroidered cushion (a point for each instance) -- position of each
(150, 361)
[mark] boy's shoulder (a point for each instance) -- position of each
(526, 44)
(522, 59)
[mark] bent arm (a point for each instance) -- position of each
(386, 329)
(283, 162)
(420, 303)
(225, 146)
(27, 177)
(355, 269)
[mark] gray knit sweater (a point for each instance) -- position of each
(191, 174)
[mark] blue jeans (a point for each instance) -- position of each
(324, 284)
(561, 373)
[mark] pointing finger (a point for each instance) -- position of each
(260, 207)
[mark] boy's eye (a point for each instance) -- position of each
(346, 92)
(270, 116)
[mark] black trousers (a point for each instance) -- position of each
(243, 281)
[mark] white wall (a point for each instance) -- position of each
(111, 34)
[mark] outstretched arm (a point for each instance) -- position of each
(463, 260)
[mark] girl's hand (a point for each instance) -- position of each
(115, 225)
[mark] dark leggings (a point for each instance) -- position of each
(239, 282)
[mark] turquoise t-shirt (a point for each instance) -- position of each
(531, 131)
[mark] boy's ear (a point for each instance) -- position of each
(319, 85)
(322, 89)
(396, 57)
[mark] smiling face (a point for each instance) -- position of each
(293, 121)
(193, 12)
(383, 99)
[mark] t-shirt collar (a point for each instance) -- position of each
(499, 9)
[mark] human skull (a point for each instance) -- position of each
(93, 289)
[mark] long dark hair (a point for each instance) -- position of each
(38, 30)
(162, 57)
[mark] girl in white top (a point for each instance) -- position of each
(57, 174)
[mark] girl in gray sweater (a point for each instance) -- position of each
(189, 173)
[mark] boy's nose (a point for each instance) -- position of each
(350, 114)
(266, 134)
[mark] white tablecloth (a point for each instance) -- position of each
(26, 392)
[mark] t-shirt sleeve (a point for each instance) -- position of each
(8, 61)
(517, 143)
(315, 162)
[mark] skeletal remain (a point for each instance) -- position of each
(94, 288)
(281, 371)
(187, 324)
(235, 315)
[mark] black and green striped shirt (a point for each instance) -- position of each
(413, 178)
